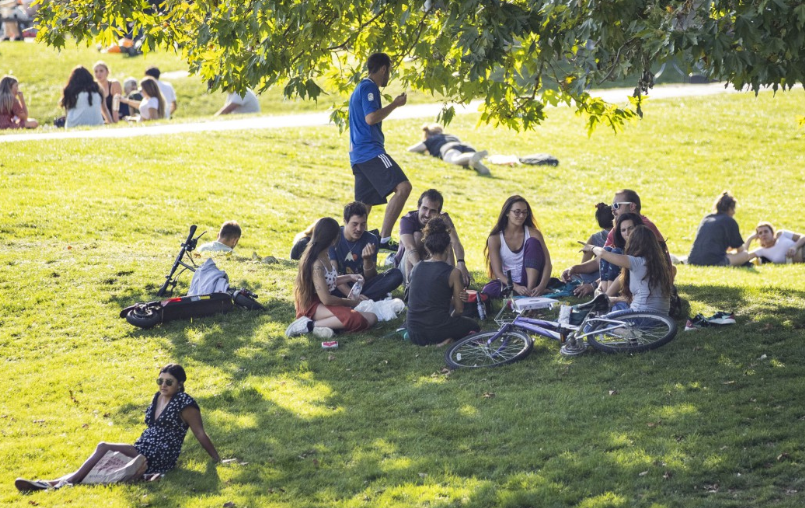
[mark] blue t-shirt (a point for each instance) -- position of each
(365, 141)
(348, 254)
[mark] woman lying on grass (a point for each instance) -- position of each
(646, 277)
(784, 247)
(170, 414)
(435, 284)
(317, 310)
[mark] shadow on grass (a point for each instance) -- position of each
(377, 422)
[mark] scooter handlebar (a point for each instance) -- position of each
(190, 236)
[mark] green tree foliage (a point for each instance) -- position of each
(518, 56)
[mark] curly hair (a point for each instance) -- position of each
(436, 236)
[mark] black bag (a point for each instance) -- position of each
(471, 308)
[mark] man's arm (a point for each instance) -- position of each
(379, 115)
(173, 107)
(224, 110)
(458, 250)
(411, 248)
(369, 256)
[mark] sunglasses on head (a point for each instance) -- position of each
(168, 382)
(619, 204)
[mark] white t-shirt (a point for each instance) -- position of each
(145, 104)
(777, 252)
(83, 113)
(170, 96)
(645, 298)
(215, 246)
(246, 104)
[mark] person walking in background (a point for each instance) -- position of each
(13, 110)
(376, 173)
(83, 99)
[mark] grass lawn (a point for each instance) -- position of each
(714, 418)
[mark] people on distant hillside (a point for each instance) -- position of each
(435, 290)
(153, 105)
(13, 110)
(318, 311)
(109, 88)
(167, 90)
(718, 240)
(82, 97)
(240, 104)
(170, 414)
(516, 245)
(784, 247)
(450, 149)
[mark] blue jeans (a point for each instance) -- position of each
(609, 272)
(379, 286)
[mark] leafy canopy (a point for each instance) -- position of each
(518, 56)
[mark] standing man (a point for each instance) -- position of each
(413, 249)
(356, 253)
(376, 173)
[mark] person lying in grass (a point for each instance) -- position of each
(170, 414)
(646, 276)
(435, 285)
(784, 247)
(317, 310)
(450, 149)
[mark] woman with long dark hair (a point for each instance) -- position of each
(516, 244)
(153, 105)
(435, 285)
(609, 272)
(171, 413)
(646, 276)
(317, 310)
(82, 97)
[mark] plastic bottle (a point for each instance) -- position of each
(356, 290)
(481, 309)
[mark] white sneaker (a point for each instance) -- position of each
(298, 327)
(323, 332)
(477, 165)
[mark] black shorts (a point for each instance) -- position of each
(376, 178)
(461, 147)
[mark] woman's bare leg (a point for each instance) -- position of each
(97, 455)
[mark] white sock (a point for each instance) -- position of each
(385, 239)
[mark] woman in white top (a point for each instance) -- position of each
(646, 276)
(152, 107)
(317, 310)
(516, 244)
(83, 100)
(779, 248)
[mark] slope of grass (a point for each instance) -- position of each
(711, 419)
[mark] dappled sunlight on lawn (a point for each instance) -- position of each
(301, 396)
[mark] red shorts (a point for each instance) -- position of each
(352, 320)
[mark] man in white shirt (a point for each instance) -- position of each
(235, 103)
(167, 90)
(228, 238)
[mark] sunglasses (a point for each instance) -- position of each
(518, 213)
(619, 204)
(168, 382)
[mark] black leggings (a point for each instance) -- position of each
(456, 327)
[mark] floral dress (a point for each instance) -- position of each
(162, 440)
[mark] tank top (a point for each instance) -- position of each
(329, 277)
(512, 261)
(109, 96)
(429, 296)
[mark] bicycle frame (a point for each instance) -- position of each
(187, 246)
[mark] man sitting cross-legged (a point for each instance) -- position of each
(356, 252)
(412, 250)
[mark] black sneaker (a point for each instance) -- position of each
(696, 322)
(722, 318)
(391, 245)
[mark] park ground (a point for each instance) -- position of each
(88, 226)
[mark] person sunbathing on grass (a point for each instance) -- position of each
(784, 247)
(170, 414)
(646, 276)
(450, 149)
(318, 311)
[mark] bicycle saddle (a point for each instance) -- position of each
(599, 303)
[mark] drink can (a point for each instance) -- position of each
(115, 102)
(330, 344)
(356, 290)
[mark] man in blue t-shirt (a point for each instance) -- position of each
(356, 253)
(376, 173)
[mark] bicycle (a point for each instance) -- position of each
(624, 331)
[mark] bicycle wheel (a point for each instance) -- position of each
(629, 331)
(476, 351)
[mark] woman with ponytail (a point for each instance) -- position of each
(318, 311)
(435, 286)
(718, 240)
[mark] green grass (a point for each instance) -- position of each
(711, 419)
